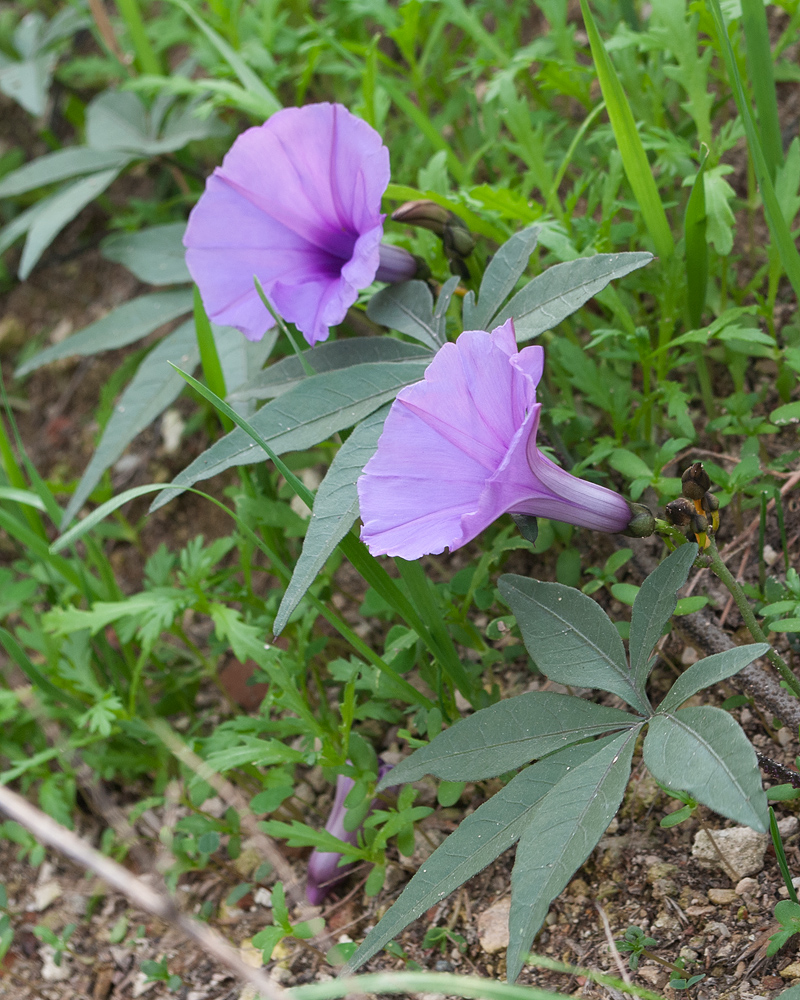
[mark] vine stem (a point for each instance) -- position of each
(720, 570)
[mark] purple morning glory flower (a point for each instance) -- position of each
(324, 871)
(296, 203)
(459, 449)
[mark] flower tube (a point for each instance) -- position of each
(296, 203)
(459, 449)
(324, 871)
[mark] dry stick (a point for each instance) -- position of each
(700, 631)
(50, 832)
(612, 944)
(742, 539)
(231, 794)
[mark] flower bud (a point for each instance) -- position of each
(426, 214)
(699, 524)
(709, 503)
(457, 239)
(396, 265)
(680, 512)
(642, 523)
(695, 482)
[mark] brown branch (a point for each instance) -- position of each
(48, 831)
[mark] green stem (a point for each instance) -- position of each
(419, 587)
(718, 567)
(146, 58)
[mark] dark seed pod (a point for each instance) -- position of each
(695, 481)
(680, 512)
(709, 503)
(699, 524)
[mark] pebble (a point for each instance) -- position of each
(722, 897)
(746, 885)
(52, 973)
(742, 848)
(791, 971)
(45, 894)
(493, 927)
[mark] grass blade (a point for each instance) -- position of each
(778, 228)
(694, 228)
(759, 64)
(634, 158)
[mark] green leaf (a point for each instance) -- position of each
(634, 158)
(779, 230)
(499, 279)
(329, 356)
(154, 386)
(481, 837)
(788, 414)
(708, 671)
(248, 79)
(123, 325)
(703, 751)
(762, 80)
(59, 166)
(61, 208)
(654, 606)
(118, 120)
(507, 735)
(335, 510)
(563, 831)
(408, 308)
(694, 228)
(305, 415)
(562, 289)
(155, 255)
(570, 637)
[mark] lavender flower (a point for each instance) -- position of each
(296, 203)
(324, 871)
(459, 449)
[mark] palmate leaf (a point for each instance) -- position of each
(654, 606)
(155, 255)
(309, 413)
(703, 751)
(477, 841)
(335, 510)
(154, 386)
(562, 289)
(564, 829)
(571, 639)
(129, 322)
(329, 356)
(60, 166)
(59, 209)
(507, 735)
(708, 671)
(499, 279)
(408, 308)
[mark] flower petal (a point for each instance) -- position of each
(296, 202)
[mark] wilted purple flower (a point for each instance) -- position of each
(459, 449)
(324, 871)
(296, 203)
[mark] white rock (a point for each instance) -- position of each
(141, 986)
(52, 973)
(742, 848)
(45, 894)
(172, 425)
(493, 927)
